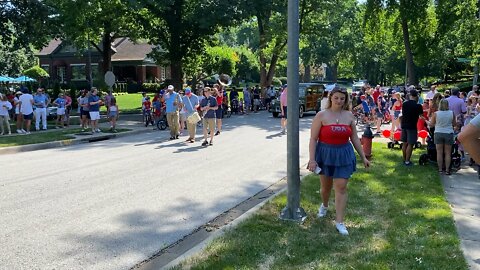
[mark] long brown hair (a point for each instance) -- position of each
(346, 105)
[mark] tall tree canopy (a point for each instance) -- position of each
(98, 22)
(182, 28)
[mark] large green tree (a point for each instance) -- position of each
(26, 23)
(182, 28)
(330, 35)
(95, 23)
(411, 15)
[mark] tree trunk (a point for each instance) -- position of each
(308, 74)
(334, 71)
(177, 73)
(412, 79)
(106, 53)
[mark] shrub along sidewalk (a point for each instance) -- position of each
(398, 218)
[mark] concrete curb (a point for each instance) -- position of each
(278, 188)
(65, 143)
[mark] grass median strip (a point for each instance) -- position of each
(398, 218)
(49, 136)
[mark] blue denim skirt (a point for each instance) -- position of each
(336, 160)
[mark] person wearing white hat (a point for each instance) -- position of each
(172, 105)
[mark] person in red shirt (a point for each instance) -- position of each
(376, 93)
(219, 112)
(333, 137)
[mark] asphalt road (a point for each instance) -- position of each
(112, 204)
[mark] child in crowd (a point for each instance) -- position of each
(113, 114)
(240, 105)
(147, 107)
(60, 102)
(366, 108)
(5, 107)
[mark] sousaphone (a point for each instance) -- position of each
(224, 80)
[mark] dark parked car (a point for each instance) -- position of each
(309, 98)
(51, 113)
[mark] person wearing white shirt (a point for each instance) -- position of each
(26, 111)
(433, 91)
(5, 106)
(473, 92)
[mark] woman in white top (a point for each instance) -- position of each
(443, 121)
(5, 106)
(18, 116)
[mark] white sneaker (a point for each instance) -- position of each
(19, 131)
(341, 228)
(23, 131)
(322, 211)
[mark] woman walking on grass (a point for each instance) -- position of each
(443, 121)
(332, 134)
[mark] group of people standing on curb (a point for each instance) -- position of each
(89, 103)
(186, 109)
(25, 107)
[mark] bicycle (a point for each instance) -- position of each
(148, 119)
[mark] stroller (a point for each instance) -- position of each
(431, 155)
(234, 104)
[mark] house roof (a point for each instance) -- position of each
(127, 50)
(124, 49)
(51, 47)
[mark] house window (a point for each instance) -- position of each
(78, 72)
(95, 72)
(61, 74)
(163, 73)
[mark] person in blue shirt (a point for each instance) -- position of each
(173, 103)
(191, 104)
(60, 103)
(208, 105)
(366, 108)
(40, 101)
(94, 109)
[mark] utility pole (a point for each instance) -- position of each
(293, 211)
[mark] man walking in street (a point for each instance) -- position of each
(208, 106)
(190, 103)
(172, 105)
(411, 111)
(40, 102)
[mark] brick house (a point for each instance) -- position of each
(130, 63)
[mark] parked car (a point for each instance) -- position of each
(357, 86)
(51, 113)
(309, 98)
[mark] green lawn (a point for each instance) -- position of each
(128, 103)
(42, 137)
(398, 218)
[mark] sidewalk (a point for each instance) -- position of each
(130, 122)
(462, 189)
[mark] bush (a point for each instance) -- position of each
(151, 87)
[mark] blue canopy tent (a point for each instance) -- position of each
(24, 79)
(6, 79)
